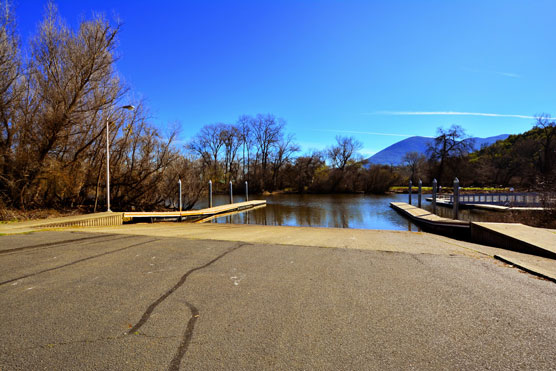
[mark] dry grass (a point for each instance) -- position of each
(15, 215)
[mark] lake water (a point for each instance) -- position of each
(343, 211)
(339, 211)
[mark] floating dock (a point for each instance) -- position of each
(193, 215)
(433, 223)
(509, 236)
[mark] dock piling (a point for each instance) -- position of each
(246, 191)
(210, 194)
(231, 193)
(434, 184)
(419, 194)
(410, 186)
(456, 198)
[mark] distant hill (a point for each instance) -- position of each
(394, 154)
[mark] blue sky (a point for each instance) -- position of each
(376, 70)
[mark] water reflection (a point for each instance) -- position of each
(339, 211)
(349, 211)
(478, 215)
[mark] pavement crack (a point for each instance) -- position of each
(188, 334)
(75, 262)
(147, 314)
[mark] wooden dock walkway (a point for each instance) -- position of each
(422, 215)
(433, 223)
(195, 214)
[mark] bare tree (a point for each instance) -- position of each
(141, 157)
(267, 132)
(449, 144)
(53, 115)
(11, 90)
(244, 125)
(68, 81)
(414, 161)
(343, 152)
(547, 139)
(285, 149)
(208, 143)
(232, 139)
(189, 171)
(306, 171)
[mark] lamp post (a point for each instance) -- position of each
(127, 107)
(179, 182)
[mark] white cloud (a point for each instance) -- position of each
(447, 113)
(508, 74)
(501, 73)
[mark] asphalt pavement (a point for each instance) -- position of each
(89, 301)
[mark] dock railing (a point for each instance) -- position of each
(521, 199)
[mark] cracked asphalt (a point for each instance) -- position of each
(89, 301)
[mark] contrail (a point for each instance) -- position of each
(447, 113)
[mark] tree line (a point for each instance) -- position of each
(525, 161)
(264, 155)
(258, 150)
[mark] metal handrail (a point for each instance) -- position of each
(530, 199)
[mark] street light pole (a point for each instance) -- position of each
(179, 182)
(107, 167)
(127, 107)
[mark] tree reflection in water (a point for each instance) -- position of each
(344, 211)
(337, 211)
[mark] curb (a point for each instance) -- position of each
(527, 268)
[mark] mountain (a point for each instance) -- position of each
(484, 142)
(394, 154)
